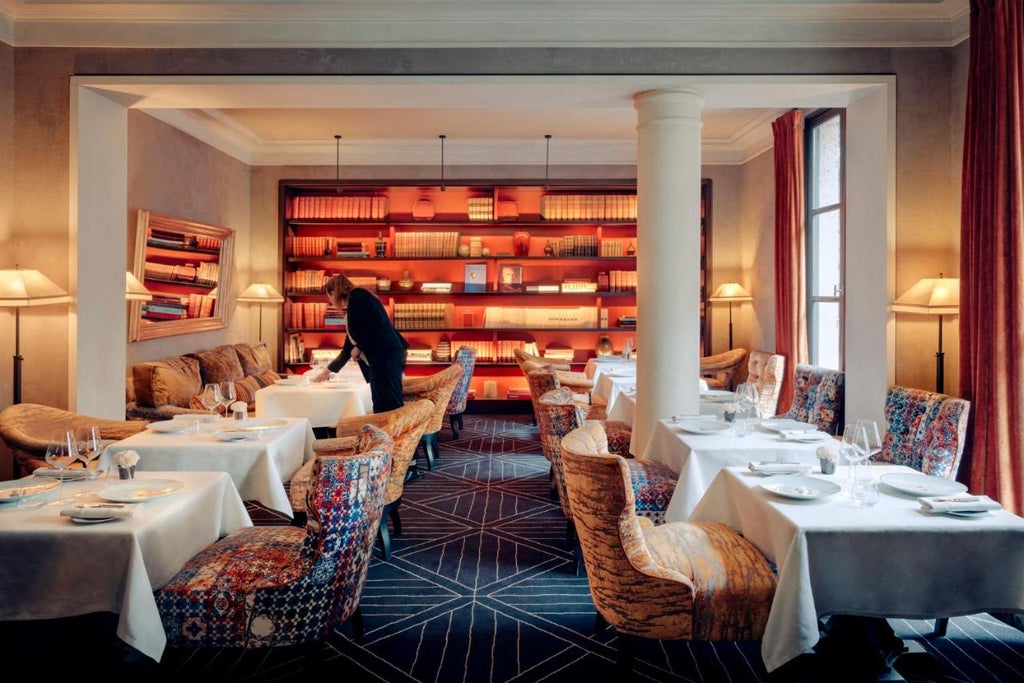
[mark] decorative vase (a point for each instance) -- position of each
(406, 283)
(464, 250)
(828, 466)
(383, 284)
(521, 243)
(381, 246)
(548, 249)
(631, 250)
(604, 346)
(126, 472)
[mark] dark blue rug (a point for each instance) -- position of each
(480, 589)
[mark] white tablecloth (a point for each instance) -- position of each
(322, 404)
(698, 458)
(608, 385)
(623, 408)
(889, 560)
(53, 567)
(595, 368)
(259, 467)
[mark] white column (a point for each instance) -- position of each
(668, 258)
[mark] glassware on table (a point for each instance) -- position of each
(227, 396)
(210, 397)
(87, 440)
(627, 348)
(861, 441)
(61, 451)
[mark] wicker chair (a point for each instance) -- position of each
(438, 388)
(465, 357)
(270, 586)
(676, 581)
(405, 427)
(719, 370)
(25, 429)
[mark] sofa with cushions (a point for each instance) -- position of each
(161, 389)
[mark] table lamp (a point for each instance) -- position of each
(260, 294)
(933, 296)
(20, 288)
(730, 292)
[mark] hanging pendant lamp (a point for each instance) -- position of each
(547, 160)
(442, 137)
(337, 164)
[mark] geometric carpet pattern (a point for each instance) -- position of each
(480, 588)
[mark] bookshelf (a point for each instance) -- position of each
(493, 265)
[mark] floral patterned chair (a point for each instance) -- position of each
(653, 483)
(269, 586)
(438, 388)
(405, 427)
(465, 358)
(675, 581)
(818, 397)
(764, 371)
(924, 430)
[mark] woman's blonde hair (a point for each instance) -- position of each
(338, 287)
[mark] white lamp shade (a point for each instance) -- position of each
(730, 291)
(29, 288)
(932, 295)
(135, 290)
(260, 294)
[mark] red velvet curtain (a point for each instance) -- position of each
(992, 253)
(790, 291)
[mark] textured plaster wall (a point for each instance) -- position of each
(725, 262)
(6, 226)
(757, 249)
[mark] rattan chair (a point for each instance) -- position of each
(438, 389)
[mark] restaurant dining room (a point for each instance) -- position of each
(709, 317)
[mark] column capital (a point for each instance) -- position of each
(668, 103)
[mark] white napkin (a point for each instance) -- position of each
(801, 435)
(775, 467)
(102, 510)
(68, 474)
(958, 503)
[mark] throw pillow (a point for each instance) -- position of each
(220, 364)
(245, 390)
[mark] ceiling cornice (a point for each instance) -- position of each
(472, 23)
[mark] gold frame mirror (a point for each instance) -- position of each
(181, 262)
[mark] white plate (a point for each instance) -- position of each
(922, 484)
(702, 426)
(967, 514)
(800, 487)
(197, 417)
(171, 426)
(138, 491)
(807, 437)
(92, 520)
(775, 469)
(290, 381)
(780, 424)
(17, 489)
(258, 424)
(235, 435)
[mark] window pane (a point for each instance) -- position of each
(826, 246)
(827, 161)
(825, 335)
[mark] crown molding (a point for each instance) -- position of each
(472, 23)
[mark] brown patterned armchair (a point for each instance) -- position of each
(719, 370)
(437, 388)
(675, 581)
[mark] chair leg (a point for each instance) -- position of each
(358, 629)
(625, 655)
(599, 624)
(941, 624)
(455, 421)
(396, 521)
(433, 447)
(385, 539)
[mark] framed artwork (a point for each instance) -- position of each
(510, 278)
(476, 277)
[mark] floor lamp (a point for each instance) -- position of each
(21, 288)
(730, 292)
(933, 296)
(260, 294)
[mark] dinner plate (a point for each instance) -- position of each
(16, 489)
(258, 424)
(142, 490)
(799, 487)
(922, 484)
(197, 417)
(776, 469)
(702, 426)
(171, 426)
(290, 381)
(235, 435)
(91, 520)
(967, 514)
(780, 424)
(806, 436)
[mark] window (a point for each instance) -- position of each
(826, 219)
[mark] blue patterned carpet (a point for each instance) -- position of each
(480, 589)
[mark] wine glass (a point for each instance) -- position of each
(227, 396)
(627, 348)
(860, 442)
(87, 440)
(210, 397)
(61, 451)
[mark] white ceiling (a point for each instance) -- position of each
(486, 120)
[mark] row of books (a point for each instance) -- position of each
(575, 245)
(294, 349)
(508, 316)
(500, 351)
(170, 307)
(342, 207)
(616, 248)
(609, 207)
(426, 244)
(205, 274)
(621, 280)
(310, 315)
(176, 240)
(424, 316)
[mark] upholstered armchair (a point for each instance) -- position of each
(719, 370)
(465, 358)
(404, 426)
(577, 381)
(543, 380)
(269, 586)
(676, 581)
(437, 388)
(818, 398)
(764, 371)
(25, 429)
(924, 430)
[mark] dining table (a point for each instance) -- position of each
(697, 448)
(892, 559)
(56, 567)
(322, 403)
(260, 462)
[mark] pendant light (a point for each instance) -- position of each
(442, 137)
(337, 164)
(547, 160)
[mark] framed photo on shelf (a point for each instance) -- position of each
(476, 277)
(510, 278)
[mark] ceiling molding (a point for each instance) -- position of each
(472, 23)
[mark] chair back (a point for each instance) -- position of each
(541, 381)
(557, 415)
(924, 430)
(719, 370)
(465, 358)
(818, 397)
(438, 389)
(764, 371)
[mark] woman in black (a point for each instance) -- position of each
(371, 340)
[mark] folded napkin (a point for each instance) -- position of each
(102, 510)
(776, 467)
(68, 474)
(801, 435)
(958, 503)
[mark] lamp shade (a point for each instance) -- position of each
(932, 295)
(260, 294)
(135, 290)
(29, 288)
(730, 291)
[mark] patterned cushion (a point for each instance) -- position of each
(266, 378)
(465, 358)
(925, 430)
(172, 381)
(618, 435)
(245, 390)
(818, 397)
(219, 364)
(254, 358)
(653, 486)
